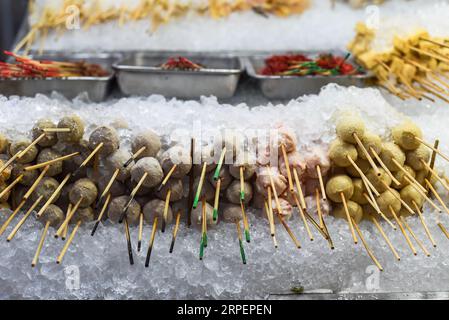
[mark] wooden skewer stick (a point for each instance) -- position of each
(287, 166)
(445, 157)
(43, 164)
(382, 164)
(139, 237)
(24, 218)
(132, 195)
(67, 244)
(66, 229)
(363, 176)
(8, 188)
(32, 144)
(9, 162)
(384, 235)
(68, 218)
(53, 196)
(217, 199)
(289, 231)
(324, 231)
(320, 179)
(35, 183)
(11, 217)
(401, 227)
(318, 208)
(100, 216)
(423, 222)
(107, 188)
(53, 130)
(175, 231)
(367, 155)
(443, 229)
(383, 216)
(89, 157)
(167, 177)
(348, 217)
(303, 217)
(409, 176)
(200, 186)
(433, 173)
(204, 220)
(368, 250)
(299, 189)
(441, 44)
(164, 217)
(191, 182)
(239, 234)
(150, 247)
(406, 206)
(435, 193)
(134, 157)
(220, 164)
(203, 238)
(273, 188)
(420, 244)
(270, 213)
(424, 195)
(245, 222)
(242, 184)
(267, 212)
(40, 245)
(128, 242)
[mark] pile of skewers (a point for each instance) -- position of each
(416, 66)
(28, 68)
(300, 65)
(66, 181)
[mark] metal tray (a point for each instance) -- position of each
(97, 88)
(139, 74)
(291, 87)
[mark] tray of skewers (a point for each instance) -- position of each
(174, 75)
(288, 76)
(68, 74)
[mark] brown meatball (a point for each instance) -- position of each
(155, 208)
(50, 138)
(3, 186)
(46, 187)
(150, 166)
(117, 188)
(231, 213)
(83, 215)
(197, 215)
(21, 145)
(116, 161)
(233, 192)
(28, 176)
(248, 171)
(85, 189)
(177, 190)
(179, 156)
(148, 139)
(76, 126)
(207, 191)
(54, 215)
(116, 207)
(108, 137)
(225, 177)
(47, 155)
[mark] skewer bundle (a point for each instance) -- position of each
(416, 66)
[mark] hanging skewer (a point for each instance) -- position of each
(12, 185)
(89, 157)
(191, 182)
(267, 212)
(348, 217)
(132, 195)
(54, 195)
(245, 222)
(68, 218)
(287, 166)
(220, 164)
(217, 199)
(303, 217)
(299, 189)
(270, 213)
(242, 184)
(289, 231)
(47, 163)
(139, 237)
(367, 155)
(200, 186)
(167, 177)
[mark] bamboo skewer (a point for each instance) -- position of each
(132, 195)
(383, 216)
(204, 220)
(43, 164)
(273, 188)
(68, 218)
(318, 208)
(423, 222)
(167, 177)
(150, 247)
(368, 250)
(362, 175)
(108, 187)
(435, 193)
(443, 229)
(420, 244)
(100, 216)
(40, 245)
(32, 144)
(9, 162)
(134, 157)
(242, 184)
(382, 164)
(217, 199)
(406, 206)
(67, 244)
(384, 235)
(55, 130)
(220, 164)
(200, 186)
(445, 157)
(89, 157)
(348, 217)
(270, 213)
(139, 237)
(239, 234)
(12, 185)
(289, 231)
(409, 176)
(367, 155)
(303, 217)
(267, 212)
(299, 189)
(128, 242)
(11, 217)
(320, 179)
(287, 166)
(203, 238)
(191, 182)
(53, 196)
(245, 222)
(424, 195)
(36, 183)
(175, 231)
(401, 227)
(433, 173)
(166, 207)
(24, 218)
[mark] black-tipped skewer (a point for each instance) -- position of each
(191, 182)
(100, 216)
(128, 242)
(175, 231)
(150, 247)
(132, 195)
(107, 188)
(134, 157)
(139, 237)
(164, 217)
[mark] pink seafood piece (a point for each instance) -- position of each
(312, 207)
(296, 161)
(317, 156)
(287, 137)
(263, 180)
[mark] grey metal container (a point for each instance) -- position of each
(291, 87)
(139, 74)
(97, 88)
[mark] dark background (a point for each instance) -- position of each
(11, 15)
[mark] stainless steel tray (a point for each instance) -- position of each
(138, 74)
(291, 87)
(97, 88)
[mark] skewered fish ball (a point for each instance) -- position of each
(63, 200)
(363, 165)
(197, 215)
(3, 143)
(378, 181)
(354, 209)
(179, 156)
(348, 126)
(248, 171)
(155, 208)
(207, 191)
(150, 166)
(414, 157)
(50, 138)
(311, 205)
(286, 207)
(21, 145)
(289, 196)
(3, 186)
(410, 194)
(148, 139)
(258, 201)
(337, 185)
(311, 185)
(28, 176)
(6, 174)
(232, 213)
(106, 135)
(208, 157)
(359, 190)
(368, 211)
(405, 134)
(46, 187)
(422, 175)
(76, 126)
(54, 215)
(295, 161)
(263, 181)
(85, 189)
(47, 155)
(117, 188)
(389, 152)
(317, 156)
(177, 190)
(74, 162)
(339, 151)
(287, 137)
(369, 141)
(83, 215)
(115, 210)
(225, 177)
(233, 192)
(116, 161)
(387, 199)
(401, 177)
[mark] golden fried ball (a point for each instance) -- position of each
(348, 126)
(359, 190)
(21, 145)
(339, 151)
(76, 126)
(337, 185)
(378, 181)
(389, 152)
(354, 209)
(368, 211)
(401, 177)
(414, 157)
(405, 133)
(410, 194)
(50, 138)
(363, 165)
(387, 199)
(369, 141)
